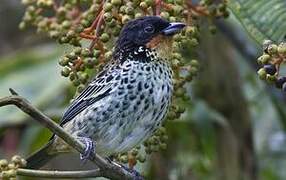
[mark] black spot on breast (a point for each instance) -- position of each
(146, 85)
(94, 109)
(142, 96)
(121, 122)
(126, 80)
(128, 65)
(117, 105)
(139, 87)
(138, 103)
(148, 68)
(161, 70)
(120, 92)
(129, 86)
(132, 97)
(109, 78)
(151, 91)
(117, 77)
(132, 81)
(123, 115)
(125, 70)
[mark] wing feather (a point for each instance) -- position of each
(95, 91)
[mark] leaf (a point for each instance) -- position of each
(35, 75)
(263, 19)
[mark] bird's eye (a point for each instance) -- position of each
(149, 29)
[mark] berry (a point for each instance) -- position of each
(270, 69)
(272, 49)
(284, 87)
(264, 59)
(282, 48)
(262, 73)
(280, 81)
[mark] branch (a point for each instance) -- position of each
(108, 169)
(59, 174)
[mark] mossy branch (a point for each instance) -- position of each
(106, 169)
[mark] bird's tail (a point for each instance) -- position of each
(40, 157)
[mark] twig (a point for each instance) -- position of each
(59, 174)
(108, 170)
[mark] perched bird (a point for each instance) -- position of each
(128, 100)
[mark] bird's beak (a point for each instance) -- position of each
(173, 28)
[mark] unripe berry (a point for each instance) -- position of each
(107, 7)
(262, 73)
(194, 63)
(3, 163)
(264, 59)
(270, 78)
(116, 2)
(16, 159)
(272, 49)
(282, 49)
(104, 37)
(65, 72)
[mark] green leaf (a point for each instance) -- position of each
(35, 75)
(263, 19)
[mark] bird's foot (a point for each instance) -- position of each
(136, 174)
(89, 149)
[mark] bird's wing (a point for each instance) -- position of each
(97, 89)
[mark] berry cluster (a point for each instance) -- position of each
(91, 28)
(9, 170)
(273, 56)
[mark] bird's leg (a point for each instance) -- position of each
(89, 149)
(135, 174)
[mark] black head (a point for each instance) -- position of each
(140, 31)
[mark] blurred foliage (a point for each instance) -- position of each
(263, 19)
(25, 71)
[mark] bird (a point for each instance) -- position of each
(127, 101)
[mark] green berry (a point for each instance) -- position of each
(86, 52)
(124, 158)
(76, 82)
(3, 163)
(264, 59)
(282, 49)
(116, 2)
(104, 37)
(107, 7)
(107, 16)
(143, 5)
(16, 159)
(141, 158)
(271, 78)
(272, 49)
(163, 146)
(65, 72)
(262, 73)
(194, 63)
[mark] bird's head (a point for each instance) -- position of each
(148, 31)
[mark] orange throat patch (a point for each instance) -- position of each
(162, 45)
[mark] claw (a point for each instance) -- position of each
(136, 175)
(89, 149)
